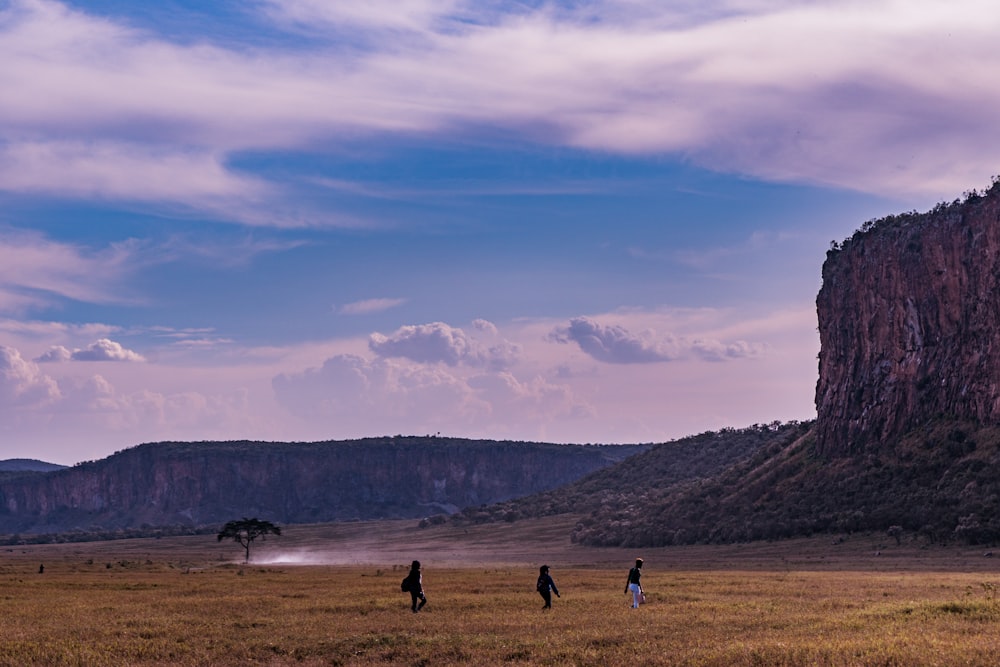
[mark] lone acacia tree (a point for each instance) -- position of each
(246, 531)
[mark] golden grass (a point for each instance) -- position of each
(182, 602)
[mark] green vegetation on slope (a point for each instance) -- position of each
(937, 483)
(616, 497)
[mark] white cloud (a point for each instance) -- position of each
(357, 392)
(55, 354)
(438, 342)
(557, 393)
(22, 384)
(397, 15)
(485, 326)
(368, 306)
(73, 416)
(148, 414)
(614, 344)
(101, 350)
(713, 350)
(530, 400)
(358, 396)
(118, 170)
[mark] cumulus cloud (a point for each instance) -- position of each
(368, 306)
(358, 395)
(96, 402)
(485, 326)
(101, 350)
(56, 353)
(713, 350)
(438, 342)
(535, 397)
(351, 389)
(89, 412)
(22, 384)
(614, 344)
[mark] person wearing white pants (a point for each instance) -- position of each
(633, 584)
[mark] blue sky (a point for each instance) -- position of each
(566, 221)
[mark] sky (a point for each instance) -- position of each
(572, 221)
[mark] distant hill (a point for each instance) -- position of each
(28, 465)
(195, 484)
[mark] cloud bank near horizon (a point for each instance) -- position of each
(548, 391)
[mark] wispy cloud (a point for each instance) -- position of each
(709, 258)
(875, 96)
(398, 16)
(119, 170)
(369, 306)
(35, 269)
(40, 329)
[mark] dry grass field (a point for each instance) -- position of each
(329, 595)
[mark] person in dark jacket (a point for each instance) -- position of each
(415, 586)
(633, 584)
(546, 587)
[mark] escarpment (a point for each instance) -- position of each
(909, 323)
(206, 483)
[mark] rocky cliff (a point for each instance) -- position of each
(909, 323)
(207, 483)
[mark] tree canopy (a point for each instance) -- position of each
(245, 531)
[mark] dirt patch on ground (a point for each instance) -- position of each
(529, 542)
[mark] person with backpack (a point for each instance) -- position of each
(413, 584)
(633, 584)
(546, 587)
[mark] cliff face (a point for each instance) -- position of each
(909, 323)
(166, 484)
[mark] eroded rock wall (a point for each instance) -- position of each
(168, 484)
(909, 323)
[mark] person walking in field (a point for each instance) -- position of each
(546, 587)
(414, 585)
(633, 584)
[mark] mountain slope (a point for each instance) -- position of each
(937, 482)
(615, 497)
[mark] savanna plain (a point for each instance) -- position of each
(330, 595)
